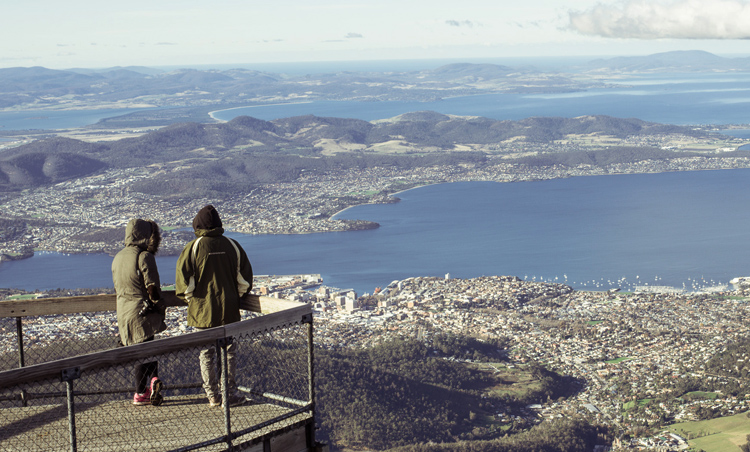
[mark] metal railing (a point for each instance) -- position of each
(64, 385)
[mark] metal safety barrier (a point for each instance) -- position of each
(65, 385)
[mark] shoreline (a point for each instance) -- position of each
(211, 114)
(535, 180)
(519, 177)
(395, 200)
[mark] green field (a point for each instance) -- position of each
(701, 395)
(363, 193)
(724, 434)
(641, 402)
(730, 297)
(618, 360)
(515, 381)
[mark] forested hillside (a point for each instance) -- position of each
(408, 392)
(562, 435)
(237, 155)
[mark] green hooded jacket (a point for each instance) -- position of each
(213, 273)
(133, 271)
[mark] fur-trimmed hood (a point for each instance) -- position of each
(144, 234)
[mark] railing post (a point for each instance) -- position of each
(19, 334)
(222, 345)
(310, 376)
(21, 363)
(68, 375)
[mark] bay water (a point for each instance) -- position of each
(684, 229)
(57, 119)
(681, 99)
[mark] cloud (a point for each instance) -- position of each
(680, 19)
(165, 43)
(353, 35)
(461, 23)
(526, 25)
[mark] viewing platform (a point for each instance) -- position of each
(63, 390)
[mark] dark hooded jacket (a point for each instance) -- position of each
(133, 271)
(213, 273)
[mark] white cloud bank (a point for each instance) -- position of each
(682, 19)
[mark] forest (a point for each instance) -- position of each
(562, 435)
(731, 367)
(408, 393)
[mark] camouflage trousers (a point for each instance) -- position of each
(211, 372)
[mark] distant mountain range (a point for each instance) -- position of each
(678, 61)
(228, 148)
(37, 88)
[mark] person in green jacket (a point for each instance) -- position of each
(213, 273)
(140, 315)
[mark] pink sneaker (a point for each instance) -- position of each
(142, 399)
(155, 396)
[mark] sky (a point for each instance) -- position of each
(99, 34)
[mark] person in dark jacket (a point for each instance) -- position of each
(140, 315)
(213, 273)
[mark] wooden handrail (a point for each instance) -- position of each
(108, 302)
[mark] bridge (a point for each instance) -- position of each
(66, 386)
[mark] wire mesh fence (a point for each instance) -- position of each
(49, 337)
(84, 400)
(276, 376)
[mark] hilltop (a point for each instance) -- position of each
(248, 151)
(677, 61)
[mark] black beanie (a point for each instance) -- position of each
(207, 218)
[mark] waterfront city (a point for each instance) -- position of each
(621, 346)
